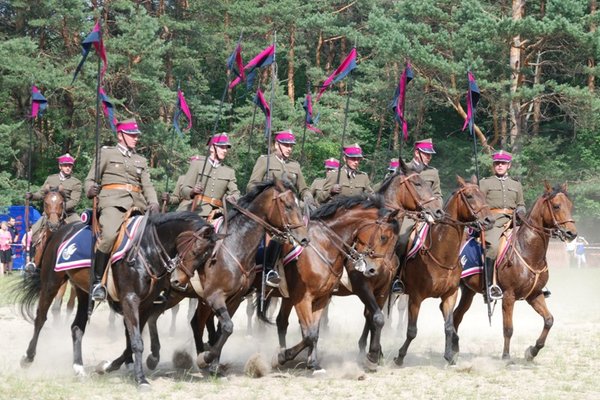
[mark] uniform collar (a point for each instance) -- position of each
(351, 173)
(63, 177)
(214, 163)
(502, 178)
(124, 150)
(283, 160)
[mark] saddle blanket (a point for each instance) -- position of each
(76, 250)
(419, 240)
(470, 258)
(288, 258)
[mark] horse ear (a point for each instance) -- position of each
(393, 215)
(564, 187)
(547, 186)
(403, 167)
(474, 180)
(460, 180)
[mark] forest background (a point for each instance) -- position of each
(535, 63)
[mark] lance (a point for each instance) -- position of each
(169, 169)
(214, 130)
(345, 125)
(29, 154)
(96, 179)
(305, 124)
(263, 285)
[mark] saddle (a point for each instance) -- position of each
(417, 237)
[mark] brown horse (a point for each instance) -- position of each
(356, 231)
(271, 206)
(409, 193)
(435, 270)
(524, 270)
(168, 242)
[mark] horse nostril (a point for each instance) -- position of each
(439, 214)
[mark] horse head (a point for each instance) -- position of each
(468, 204)
(408, 190)
(54, 207)
(554, 209)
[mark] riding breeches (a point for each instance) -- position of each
(110, 221)
(492, 236)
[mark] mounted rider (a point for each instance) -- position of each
(504, 196)
(351, 181)
(331, 164)
(280, 166)
(208, 181)
(123, 183)
(71, 191)
(392, 169)
(423, 152)
(174, 198)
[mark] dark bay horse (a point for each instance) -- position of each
(356, 231)
(524, 270)
(409, 193)
(270, 207)
(435, 270)
(168, 242)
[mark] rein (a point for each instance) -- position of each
(411, 189)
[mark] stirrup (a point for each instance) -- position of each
(398, 287)
(495, 293)
(30, 267)
(273, 278)
(546, 292)
(99, 292)
(160, 299)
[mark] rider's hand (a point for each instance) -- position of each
(231, 199)
(198, 189)
(28, 196)
(165, 197)
(336, 189)
(93, 191)
(153, 208)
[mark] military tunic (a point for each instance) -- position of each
(277, 168)
(71, 189)
(428, 174)
(503, 195)
(218, 180)
(317, 186)
(352, 182)
(175, 197)
(119, 166)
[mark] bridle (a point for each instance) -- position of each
(51, 211)
(475, 213)
(410, 187)
(557, 228)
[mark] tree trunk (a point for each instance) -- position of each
(290, 83)
(518, 11)
(591, 81)
(318, 50)
(537, 102)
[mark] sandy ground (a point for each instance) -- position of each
(566, 368)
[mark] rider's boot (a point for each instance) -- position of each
(493, 291)
(273, 251)
(99, 265)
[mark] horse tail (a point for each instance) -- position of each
(27, 292)
(261, 312)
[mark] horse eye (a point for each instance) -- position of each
(469, 196)
(384, 238)
(556, 206)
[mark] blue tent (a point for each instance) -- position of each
(18, 213)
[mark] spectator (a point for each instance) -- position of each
(26, 243)
(571, 247)
(580, 251)
(5, 253)
(14, 234)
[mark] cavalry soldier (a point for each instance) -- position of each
(280, 166)
(352, 181)
(208, 181)
(71, 190)
(123, 183)
(504, 196)
(175, 198)
(318, 183)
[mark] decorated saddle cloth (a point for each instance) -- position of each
(471, 257)
(76, 250)
(417, 238)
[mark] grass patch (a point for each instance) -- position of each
(6, 288)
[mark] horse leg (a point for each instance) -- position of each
(173, 327)
(539, 305)
(312, 335)
(198, 322)
(402, 310)
(362, 341)
(154, 356)
(508, 304)
(71, 302)
(447, 306)
(250, 308)
(282, 321)
(414, 306)
(130, 304)
(212, 357)
(57, 303)
(304, 312)
(78, 329)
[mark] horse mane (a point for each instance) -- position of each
(388, 181)
(556, 190)
(338, 203)
(179, 216)
(248, 198)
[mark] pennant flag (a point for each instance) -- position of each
(400, 96)
(181, 107)
(235, 63)
(340, 73)
(109, 110)
(309, 120)
(260, 101)
(264, 58)
(94, 38)
(473, 95)
(38, 103)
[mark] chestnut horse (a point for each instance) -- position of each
(524, 270)
(356, 231)
(271, 206)
(435, 270)
(175, 240)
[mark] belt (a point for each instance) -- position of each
(502, 211)
(123, 186)
(208, 200)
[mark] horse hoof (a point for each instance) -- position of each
(102, 368)
(79, 371)
(145, 387)
(151, 361)
(369, 365)
(201, 361)
(506, 356)
(129, 367)
(399, 361)
(529, 354)
(452, 359)
(26, 362)
(319, 372)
